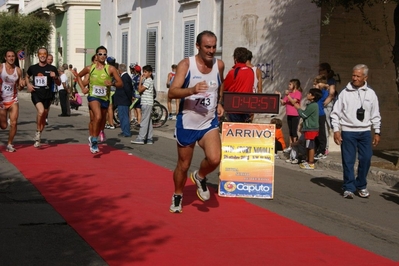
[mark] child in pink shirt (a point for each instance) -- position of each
(295, 92)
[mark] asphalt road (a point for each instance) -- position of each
(32, 233)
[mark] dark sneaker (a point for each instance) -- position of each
(320, 156)
(176, 204)
(348, 195)
(363, 193)
(202, 190)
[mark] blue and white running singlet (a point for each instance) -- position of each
(199, 111)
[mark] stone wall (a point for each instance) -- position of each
(285, 35)
(348, 41)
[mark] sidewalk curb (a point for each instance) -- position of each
(390, 178)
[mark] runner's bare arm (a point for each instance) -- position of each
(28, 84)
(83, 73)
(20, 83)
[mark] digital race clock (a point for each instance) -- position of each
(234, 102)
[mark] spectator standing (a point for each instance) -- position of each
(197, 83)
(325, 70)
(258, 74)
(239, 79)
(10, 82)
(146, 88)
(294, 92)
(123, 99)
(136, 74)
(69, 84)
(354, 112)
(62, 92)
(320, 82)
(44, 76)
(310, 126)
(75, 70)
(50, 60)
(169, 80)
(257, 78)
(110, 112)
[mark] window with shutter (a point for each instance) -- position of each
(189, 38)
(124, 47)
(151, 47)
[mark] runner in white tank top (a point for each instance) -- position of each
(9, 91)
(197, 82)
(198, 111)
(10, 81)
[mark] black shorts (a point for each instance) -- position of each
(36, 99)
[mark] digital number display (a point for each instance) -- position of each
(251, 102)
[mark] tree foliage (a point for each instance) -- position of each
(27, 32)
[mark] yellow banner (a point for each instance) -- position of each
(247, 166)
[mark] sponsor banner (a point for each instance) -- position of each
(245, 189)
(247, 166)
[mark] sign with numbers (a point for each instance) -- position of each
(251, 103)
(99, 91)
(40, 81)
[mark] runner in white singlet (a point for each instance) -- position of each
(197, 83)
(10, 82)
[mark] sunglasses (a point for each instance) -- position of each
(42, 53)
(100, 54)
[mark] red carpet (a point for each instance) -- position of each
(120, 205)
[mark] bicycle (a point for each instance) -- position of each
(159, 114)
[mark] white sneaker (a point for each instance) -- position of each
(348, 195)
(202, 190)
(287, 150)
(37, 139)
(93, 145)
(10, 148)
(176, 204)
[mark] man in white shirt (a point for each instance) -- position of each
(62, 92)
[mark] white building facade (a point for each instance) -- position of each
(161, 33)
(158, 33)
